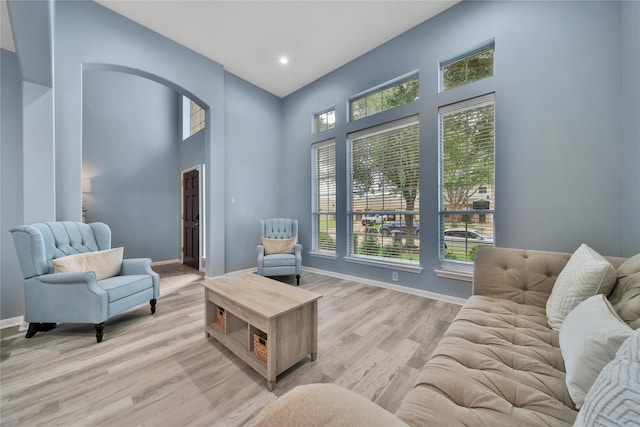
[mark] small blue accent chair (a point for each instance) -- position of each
(280, 264)
(77, 297)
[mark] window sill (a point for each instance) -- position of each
(324, 254)
(411, 268)
(463, 274)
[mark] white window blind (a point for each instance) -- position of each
(324, 196)
(384, 185)
(467, 177)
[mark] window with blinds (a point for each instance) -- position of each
(389, 96)
(384, 205)
(467, 177)
(324, 197)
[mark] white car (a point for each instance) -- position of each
(465, 239)
(371, 219)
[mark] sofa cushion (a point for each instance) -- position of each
(498, 364)
(119, 287)
(104, 264)
(278, 246)
(589, 338)
(587, 273)
(626, 294)
(279, 260)
(613, 398)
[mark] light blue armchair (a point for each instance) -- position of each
(280, 264)
(52, 298)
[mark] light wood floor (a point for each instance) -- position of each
(161, 370)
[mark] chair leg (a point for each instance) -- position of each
(34, 328)
(153, 305)
(297, 280)
(99, 331)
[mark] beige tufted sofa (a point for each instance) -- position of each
(498, 364)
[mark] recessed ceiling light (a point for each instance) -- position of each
(284, 60)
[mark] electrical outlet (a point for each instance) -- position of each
(394, 276)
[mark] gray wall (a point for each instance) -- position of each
(89, 36)
(254, 163)
(631, 128)
(567, 131)
(11, 204)
(130, 145)
(558, 126)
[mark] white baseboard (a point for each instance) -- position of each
(13, 321)
(399, 288)
(248, 270)
(169, 261)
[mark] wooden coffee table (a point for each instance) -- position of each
(239, 306)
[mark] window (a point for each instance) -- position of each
(467, 184)
(386, 98)
(324, 197)
(325, 121)
(193, 118)
(470, 68)
(384, 214)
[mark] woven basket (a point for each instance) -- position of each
(260, 346)
(220, 317)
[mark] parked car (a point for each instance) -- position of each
(371, 219)
(389, 227)
(465, 239)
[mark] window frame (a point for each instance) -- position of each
(464, 267)
(414, 75)
(352, 213)
(468, 54)
(316, 116)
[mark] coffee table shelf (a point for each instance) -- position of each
(286, 314)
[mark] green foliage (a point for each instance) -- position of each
(467, 155)
(385, 99)
(389, 161)
(392, 251)
(370, 246)
(326, 242)
(355, 242)
(468, 69)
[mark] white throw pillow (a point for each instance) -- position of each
(105, 263)
(587, 273)
(590, 336)
(614, 398)
(278, 246)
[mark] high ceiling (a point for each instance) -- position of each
(249, 37)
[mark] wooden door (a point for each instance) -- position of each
(191, 219)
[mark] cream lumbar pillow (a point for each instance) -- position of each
(614, 396)
(278, 246)
(587, 273)
(105, 263)
(589, 338)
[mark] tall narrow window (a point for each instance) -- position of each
(467, 184)
(384, 180)
(470, 68)
(324, 197)
(193, 118)
(197, 118)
